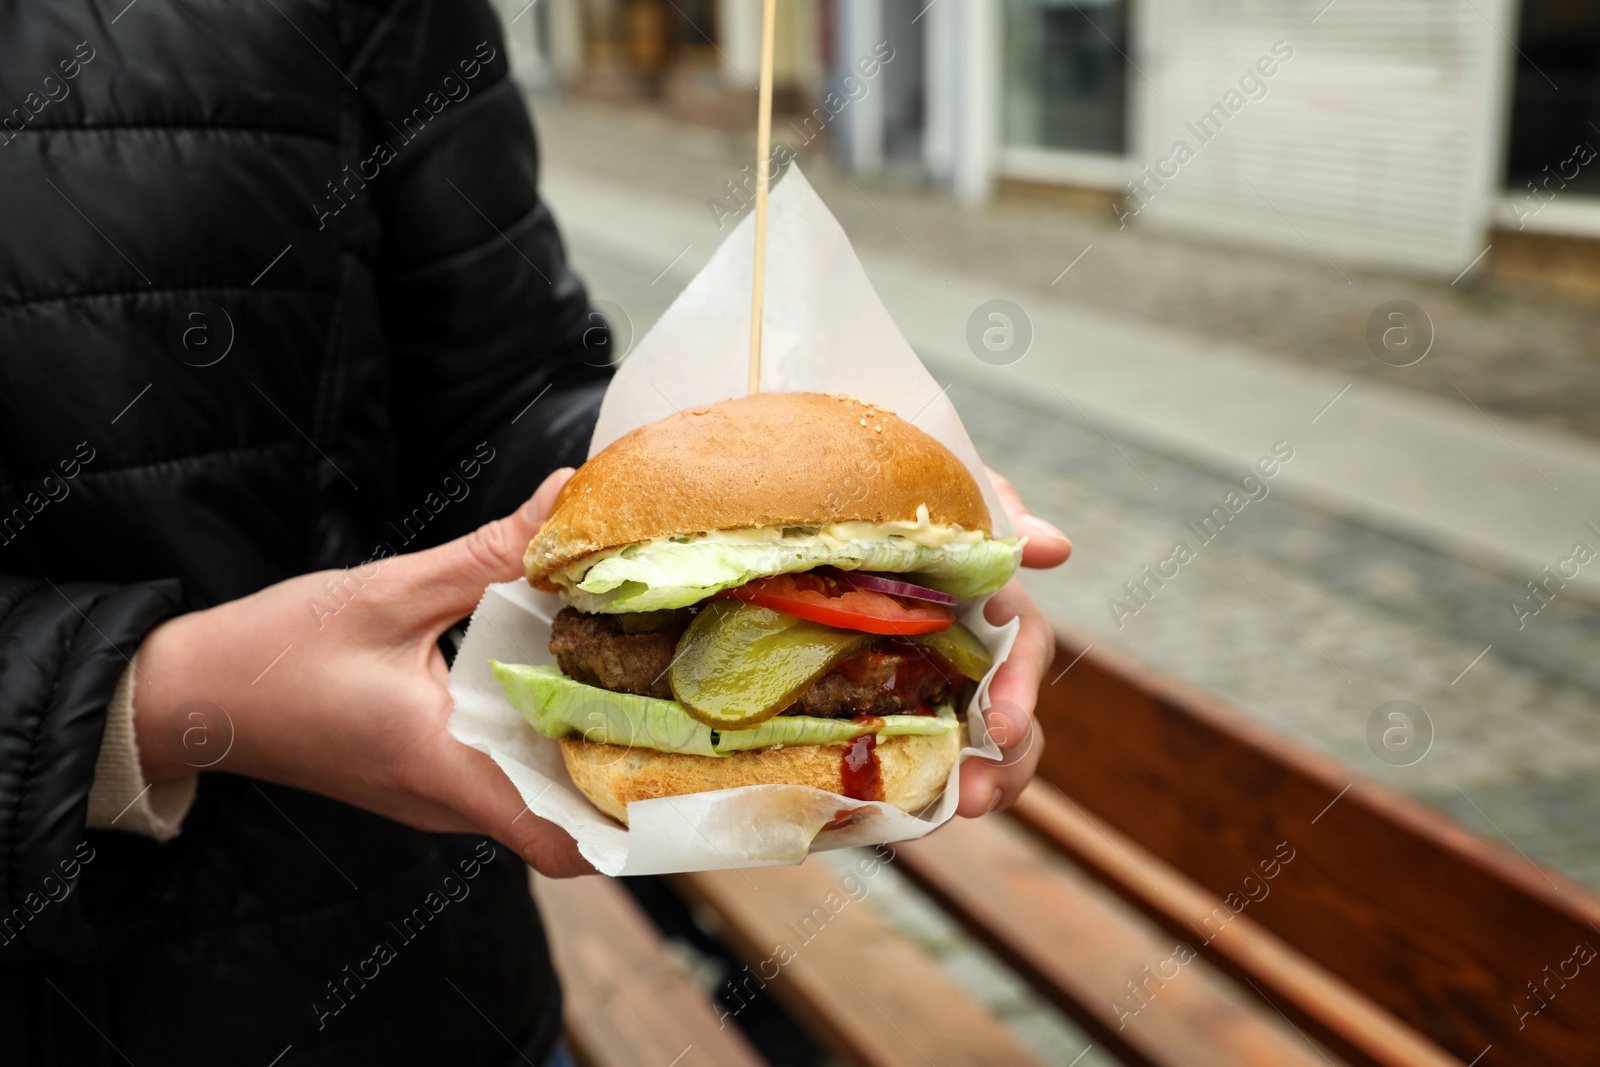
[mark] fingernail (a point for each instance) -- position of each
(1042, 528)
(994, 801)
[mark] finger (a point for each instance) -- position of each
(1031, 653)
(446, 583)
(991, 785)
(545, 847)
(1046, 546)
(1013, 694)
(484, 794)
(994, 786)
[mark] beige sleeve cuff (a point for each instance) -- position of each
(120, 798)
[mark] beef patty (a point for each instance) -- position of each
(593, 649)
(889, 678)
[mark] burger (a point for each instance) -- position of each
(763, 591)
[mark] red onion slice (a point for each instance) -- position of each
(880, 584)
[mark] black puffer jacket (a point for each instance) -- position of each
(273, 278)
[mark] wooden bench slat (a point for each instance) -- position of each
(627, 1002)
(1060, 931)
(866, 991)
(1240, 947)
(1438, 926)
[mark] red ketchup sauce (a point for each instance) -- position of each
(863, 777)
(844, 819)
(913, 675)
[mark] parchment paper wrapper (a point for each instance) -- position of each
(825, 330)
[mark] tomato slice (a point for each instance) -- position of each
(832, 603)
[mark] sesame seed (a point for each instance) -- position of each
(863, 422)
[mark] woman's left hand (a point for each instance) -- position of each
(987, 786)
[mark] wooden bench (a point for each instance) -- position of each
(1188, 887)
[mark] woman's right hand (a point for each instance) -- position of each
(334, 683)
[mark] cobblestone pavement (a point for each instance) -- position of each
(1304, 618)
(1309, 620)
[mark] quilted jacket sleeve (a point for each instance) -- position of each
(488, 322)
(62, 650)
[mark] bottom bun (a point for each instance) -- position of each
(914, 769)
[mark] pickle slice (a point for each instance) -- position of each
(961, 648)
(738, 665)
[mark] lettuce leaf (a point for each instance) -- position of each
(675, 574)
(558, 706)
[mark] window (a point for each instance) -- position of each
(1558, 45)
(1066, 75)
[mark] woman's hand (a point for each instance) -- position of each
(333, 683)
(987, 786)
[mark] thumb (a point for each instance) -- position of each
(486, 796)
(448, 581)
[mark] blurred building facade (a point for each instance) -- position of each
(1406, 134)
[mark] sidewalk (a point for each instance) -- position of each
(1539, 362)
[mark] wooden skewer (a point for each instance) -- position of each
(763, 150)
